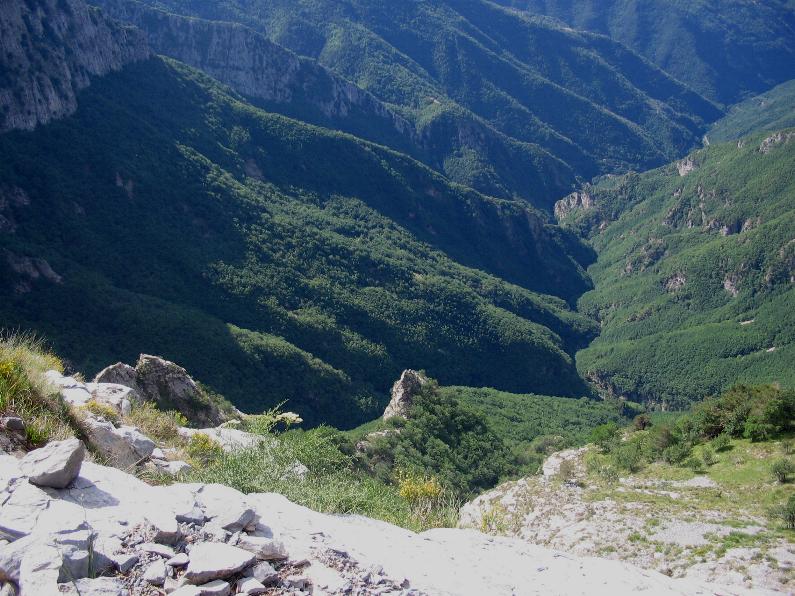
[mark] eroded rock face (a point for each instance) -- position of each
(256, 67)
(580, 200)
(52, 48)
(685, 166)
(404, 391)
(166, 384)
(774, 140)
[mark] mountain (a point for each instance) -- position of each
(773, 110)
(169, 216)
(694, 280)
(725, 50)
(50, 50)
(506, 104)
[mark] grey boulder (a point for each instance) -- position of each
(55, 465)
(124, 447)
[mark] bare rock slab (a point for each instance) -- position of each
(211, 561)
(264, 548)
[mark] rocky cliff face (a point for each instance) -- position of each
(276, 79)
(262, 70)
(49, 49)
(404, 391)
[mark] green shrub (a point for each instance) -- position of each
(708, 456)
(641, 422)
(786, 513)
(757, 430)
(787, 446)
(203, 449)
(782, 469)
(548, 444)
(105, 411)
(162, 426)
(629, 456)
(606, 436)
(721, 442)
(676, 454)
(695, 463)
(444, 439)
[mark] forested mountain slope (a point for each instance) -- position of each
(772, 110)
(509, 105)
(696, 272)
(725, 50)
(168, 216)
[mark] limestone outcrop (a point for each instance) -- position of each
(168, 386)
(405, 389)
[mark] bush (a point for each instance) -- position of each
(447, 440)
(757, 413)
(641, 422)
(708, 456)
(606, 436)
(548, 444)
(203, 449)
(782, 469)
(721, 442)
(162, 426)
(676, 454)
(757, 430)
(787, 446)
(105, 411)
(786, 513)
(695, 463)
(629, 456)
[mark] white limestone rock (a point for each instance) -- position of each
(251, 586)
(263, 572)
(117, 396)
(55, 465)
(156, 573)
(157, 549)
(179, 560)
(216, 587)
(124, 447)
(404, 391)
(210, 561)
(100, 586)
(267, 549)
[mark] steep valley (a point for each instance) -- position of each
(364, 297)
